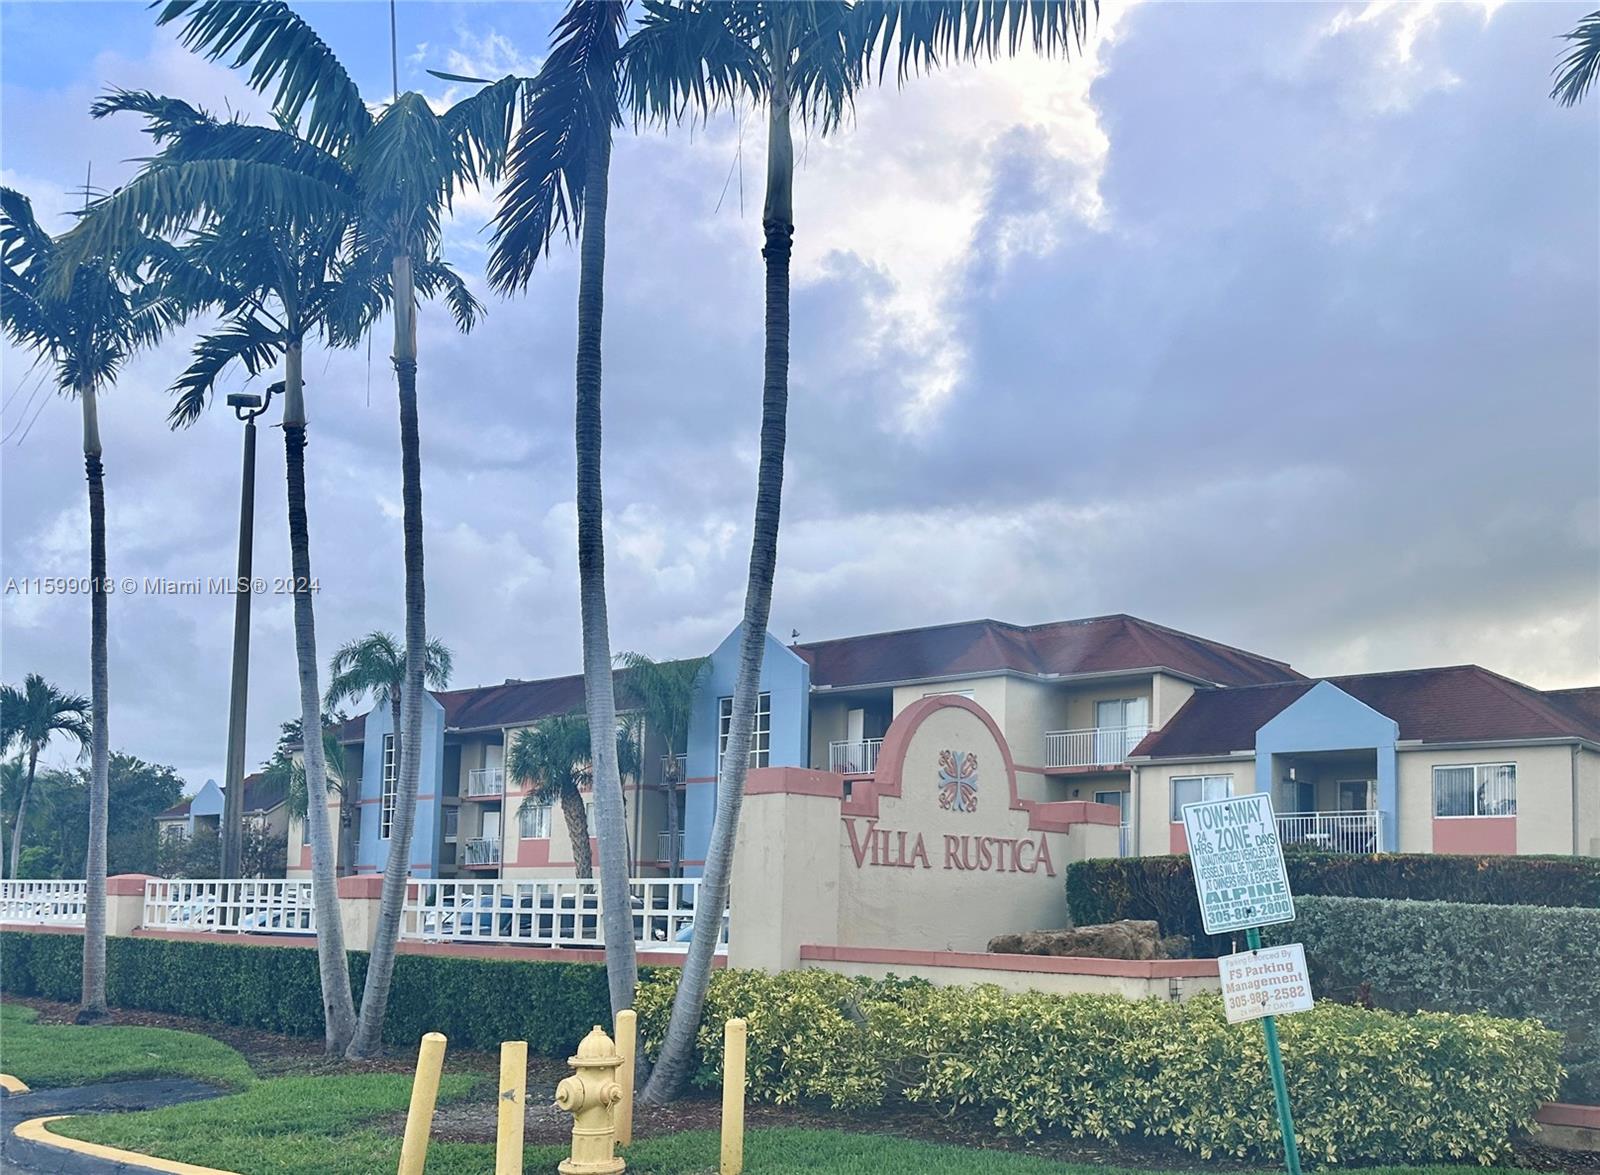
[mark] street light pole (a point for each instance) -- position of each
(246, 406)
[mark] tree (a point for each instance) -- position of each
(800, 59)
(554, 758)
(29, 718)
(1577, 71)
(294, 773)
(558, 177)
(405, 166)
(83, 316)
(664, 691)
(58, 823)
(376, 664)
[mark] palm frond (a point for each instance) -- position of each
(280, 48)
(923, 33)
(243, 339)
(23, 243)
(407, 167)
(436, 278)
(164, 117)
(480, 128)
(1577, 71)
(686, 59)
(573, 99)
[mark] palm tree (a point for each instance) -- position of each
(404, 165)
(800, 59)
(85, 317)
(299, 791)
(665, 694)
(558, 177)
(1577, 71)
(29, 718)
(376, 664)
(554, 758)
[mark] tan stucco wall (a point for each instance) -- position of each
(828, 718)
(786, 883)
(1081, 702)
(1020, 981)
(1167, 696)
(1031, 709)
(1544, 794)
(1589, 802)
(988, 692)
(1152, 804)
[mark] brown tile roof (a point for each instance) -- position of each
(1101, 644)
(262, 794)
(512, 703)
(1457, 703)
(178, 811)
(1584, 700)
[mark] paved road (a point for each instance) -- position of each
(32, 1158)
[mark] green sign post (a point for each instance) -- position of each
(1242, 884)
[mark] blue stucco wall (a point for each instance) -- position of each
(788, 680)
(373, 853)
(207, 802)
(1325, 718)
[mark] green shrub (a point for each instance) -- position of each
(1162, 888)
(477, 1003)
(1367, 1086)
(1527, 961)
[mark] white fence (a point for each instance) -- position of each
(853, 756)
(1337, 832)
(547, 913)
(42, 903)
(229, 905)
(1095, 746)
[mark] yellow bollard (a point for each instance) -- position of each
(733, 1098)
(591, 1095)
(513, 1098)
(424, 1093)
(627, 1041)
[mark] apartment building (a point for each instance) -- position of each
(1111, 710)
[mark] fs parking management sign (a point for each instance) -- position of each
(1238, 863)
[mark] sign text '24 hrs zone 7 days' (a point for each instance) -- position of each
(1238, 863)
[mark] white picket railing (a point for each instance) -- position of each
(42, 903)
(229, 905)
(482, 851)
(854, 756)
(1336, 832)
(485, 782)
(552, 913)
(1096, 746)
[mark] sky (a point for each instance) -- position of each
(1279, 324)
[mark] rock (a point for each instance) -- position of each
(1128, 939)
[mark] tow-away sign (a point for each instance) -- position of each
(1269, 982)
(1238, 863)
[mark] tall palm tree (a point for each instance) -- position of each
(554, 757)
(337, 783)
(405, 165)
(1577, 71)
(376, 665)
(800, 59)
(29, 718)
(665, 694)
(84, 317)
(558, 176)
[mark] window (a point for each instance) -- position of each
(386, 805)
(452, 824)
(1117, 799)
(1476, 789)
(1191, 789)
(760, 737)
(533, 821)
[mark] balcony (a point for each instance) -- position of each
(854, 756)
(1332, 832)
(1096, 746)
(664, 846)
(481, 851)
(485, 783)
(682, 763)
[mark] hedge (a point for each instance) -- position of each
(1162, 888)
(1367, 1086)
(1529, 961)
(477, 1003)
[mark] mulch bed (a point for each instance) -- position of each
(473, 1119)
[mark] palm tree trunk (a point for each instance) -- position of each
(333, 966)
(622, 968)
(93, 1001)
(578, 832)
(674, 849)
(777, 223)
(380, 967)
(22, 811)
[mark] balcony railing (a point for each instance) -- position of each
(482, 851)
(857, 756)
(229, 904)
(664, 846)
(1335, 832)
(683, 766)
(549, 913)
(486, 782)
(1096, 746)
(42, 903)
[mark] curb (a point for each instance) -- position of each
(12, 1084)
(33, 1130)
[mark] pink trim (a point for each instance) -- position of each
(366, 885)
(533, 852)
(793, 781)
(127, 884)
(244, 940)
(1043, 964)
(1061, 815)
(1568, 1114)
(701, 779)
(1475, 835)
(1178, 839)
(30, 928)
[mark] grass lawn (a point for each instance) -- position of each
(64, 1054)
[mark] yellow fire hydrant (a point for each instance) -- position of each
(591, 1096)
